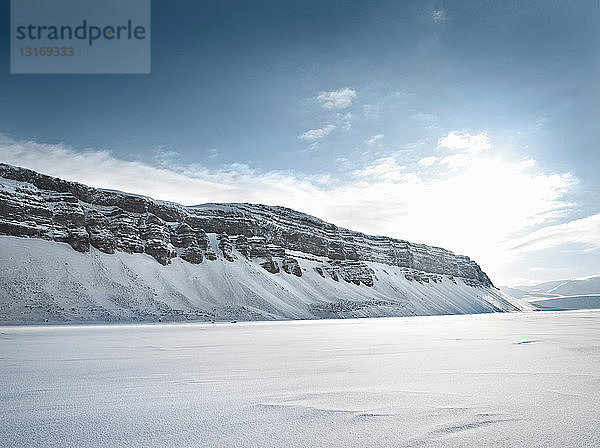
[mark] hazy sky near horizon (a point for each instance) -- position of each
(474, 126)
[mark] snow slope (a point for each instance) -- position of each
(588, 285)
(43, 280)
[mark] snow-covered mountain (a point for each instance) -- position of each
(554, 288)
(579, 286)
(69, 252)
(581, 293)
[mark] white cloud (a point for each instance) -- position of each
(427, 161)
(465, 141)
(474, 211)
(317, 134)
(479, 205)
(456, 161)
(188, 184)
(337, 99)
(374, 139)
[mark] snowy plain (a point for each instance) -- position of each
(494, 380)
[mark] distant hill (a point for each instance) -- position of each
(582, 293)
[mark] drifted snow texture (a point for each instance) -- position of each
(494, 380)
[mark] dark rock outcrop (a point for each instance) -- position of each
(126, 231)
(226, 247)
(270, 266)
(183, 236)
(98, 227)
(157, 238)
(192, 254)
(210, 254)
(350, 271)
(291, 266)
(241, 245)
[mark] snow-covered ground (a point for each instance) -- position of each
(493, 380)
(580, 302)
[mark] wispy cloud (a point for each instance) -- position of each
(438, 16)
(345, 120)
(213, 153)
(385, 169)
(374, 139)
(428, 120)
(584, 231)
(164, 156)
(317, 134)
(337, 99)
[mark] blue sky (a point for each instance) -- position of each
(470, 125)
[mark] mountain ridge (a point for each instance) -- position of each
(233, 222)
(256, 239)
(578, 293)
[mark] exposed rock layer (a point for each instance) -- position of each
(36, 205)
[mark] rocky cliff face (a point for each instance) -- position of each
(69, 252)
(40, 206)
